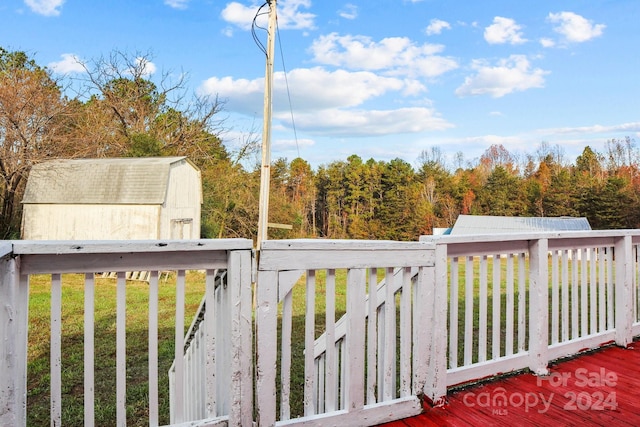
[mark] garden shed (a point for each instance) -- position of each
(106, 199)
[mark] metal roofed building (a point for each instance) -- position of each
(485, 224)
(105, 199)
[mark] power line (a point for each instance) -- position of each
(286, 81)
(254, 25)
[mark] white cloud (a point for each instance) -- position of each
(338, 122)
(292, 144)
(436, 26)
(545, 42)
(239, 15)
(310, 88)
(148, 67)
(327, 102)
(393, 55)
(45, 7)
(289, 15)
(70, 63)
(600, 129)
(177, 4)
(349, 11)
(503, 30)
(575, 28)
(509, 75)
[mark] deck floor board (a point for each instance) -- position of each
(598, 388)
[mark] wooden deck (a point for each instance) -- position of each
(595, 389)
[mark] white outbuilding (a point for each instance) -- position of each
(107, 199)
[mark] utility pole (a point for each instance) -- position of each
(265, 172)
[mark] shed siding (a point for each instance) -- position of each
(89, 222)
(183, 202)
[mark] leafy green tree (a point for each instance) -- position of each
(400, 212)
(302, 192)
(503, 194)
(560, 197)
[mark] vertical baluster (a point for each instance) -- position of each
(574, 294)
(210, 347)
(405, 333)
(496, 295)
(382, 330)
(121, 349)
(510, 309)
(453, 314)
(89, 349)
(555, 305)
(389, 388)
(584, 293)
(610, 292)
(179, 347)
(331, 388)
(634, 282)
(593, 292)
(468, 311)
(309, 340)
(153, 349)
(482, 308)
(56, 351)
(522, 297)
(372, 337)
(565, 295)
(602, 286)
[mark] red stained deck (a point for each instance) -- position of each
(595, 389)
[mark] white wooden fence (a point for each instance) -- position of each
(329, 350)
(534, 298)
(372, 371)
(20, 260)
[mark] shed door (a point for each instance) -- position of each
(181, 228)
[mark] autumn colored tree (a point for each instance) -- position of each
(34, 119)
(137, 116)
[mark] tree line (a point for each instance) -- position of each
(117, 110)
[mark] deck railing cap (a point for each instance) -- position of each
(23, 247)
(343, 244)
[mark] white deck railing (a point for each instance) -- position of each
(376, 366)
(445, 311)
(20, 260)
(521, 301)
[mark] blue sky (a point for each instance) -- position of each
(377, 78)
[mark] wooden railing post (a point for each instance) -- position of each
(538, 306)
(239, 283)
(436, 327)
(624, 290)
(266, 334)
(14, 299)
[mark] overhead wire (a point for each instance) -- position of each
(254, 25)
(286, 81)
(256, 39)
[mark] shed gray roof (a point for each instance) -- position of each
(482, 224)
(100, 181)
